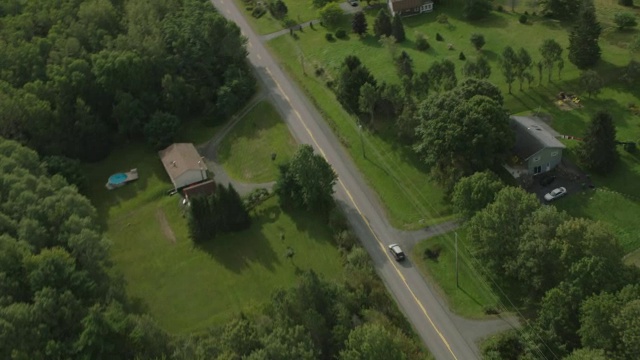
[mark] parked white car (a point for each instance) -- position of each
(556, 193)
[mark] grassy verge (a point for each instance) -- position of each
(187, 288)
(246, 151)
(473, 296)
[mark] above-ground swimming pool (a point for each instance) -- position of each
(117, 179)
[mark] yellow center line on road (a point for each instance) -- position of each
(380, 244)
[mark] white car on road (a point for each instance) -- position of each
(556, 193)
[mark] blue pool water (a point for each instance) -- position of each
(117, 179)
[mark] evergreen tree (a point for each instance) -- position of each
(238, 215)
(199, 220)
(404, 64)
(598, 150)
(382, 24)
(584, 50)
(397, 29)
(359, 23)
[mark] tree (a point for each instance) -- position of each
(523, 66)
(359, 23)
(509, 63)
(320, 3)
(353, 75)
(477, 40)
(504, 345)
(473, 193)
(382, 24)
(496, 230)
(368, 97)
(330, 14)
(70, 169)
(374, 342)
(477, 9)
(587, 354)
(551, 52)
(278, 9)
(389, 43)
(597, 151)
(584, 50)
(591, 82)
(306, 181)
(160, 131)
(442, 75)
(625, 20)
(479, 69)
(397, 28)
(454, 131)
(404, 65)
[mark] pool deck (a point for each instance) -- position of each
(132, 175)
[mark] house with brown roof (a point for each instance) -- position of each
(409, 7)
(183, 164)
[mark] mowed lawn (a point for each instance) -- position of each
(246, 151)
(406, 190)
(189, 288)
(473, 295)
(299, 11)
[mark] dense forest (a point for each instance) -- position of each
(78, 76)
(59, 298)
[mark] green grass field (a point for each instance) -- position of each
(618, 211)
(246, 151)
(405, 188)
(474, 295)
(187, 288)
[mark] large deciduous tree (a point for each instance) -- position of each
(456, 127)
(473, 193)
(306, 181)
(597, 152)
(584, 50)
(442, 75)
(330, 14)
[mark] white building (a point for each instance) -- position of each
(184, 164)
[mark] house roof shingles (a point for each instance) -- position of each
(403, 5)
(179, 158)
(531, 137)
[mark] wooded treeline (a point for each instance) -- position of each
(78, 75)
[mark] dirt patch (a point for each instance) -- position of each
(164, 225)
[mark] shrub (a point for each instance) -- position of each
(258, 12)
(625, 2)
(477, 40)
(500, 8)
(526, 12)
(461, 56)
(534, 13)
(319, 71)
(439, 37)
(421, 43)
(249, 8)
(523, 19)
(433, 252)
(341, 34)
(625, 20)
(328, 36)
(442, 19)
(345, 239)
(278, 9)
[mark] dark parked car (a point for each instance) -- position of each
(397, 253)
(548, 180)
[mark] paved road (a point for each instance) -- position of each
(446, 335)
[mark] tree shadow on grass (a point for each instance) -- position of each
(236, 251)
(311, 223)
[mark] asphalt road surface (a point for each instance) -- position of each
(446, 335)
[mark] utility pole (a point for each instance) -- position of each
(457, 282)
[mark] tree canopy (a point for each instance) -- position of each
(88, 73)
(463, 131)
(584, 50)
(597, 151)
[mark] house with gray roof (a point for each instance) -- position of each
(536, 146)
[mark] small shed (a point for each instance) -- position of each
(183, 164)
(535, 145)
